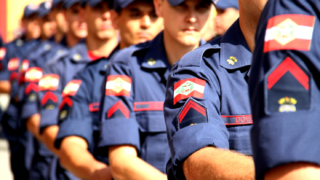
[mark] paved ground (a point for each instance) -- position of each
(5, 173)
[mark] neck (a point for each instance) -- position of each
(174, 49)
(43, 37)
(71, 39)
(123, 45)
(248, 26)
(28, 37)
(101, 47)
(58, 36)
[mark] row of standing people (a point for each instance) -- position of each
(99, 108)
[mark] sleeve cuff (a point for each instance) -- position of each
(119, 132)
(192, 138)
(48, 118)
(70, 127)
(28, 110)
(292, 140)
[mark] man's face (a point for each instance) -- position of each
(186, 22)
(57, 15)
(137, 22)
(225, 18)
(76, 24)
(98, 21)
(31, 26)
(48, 26)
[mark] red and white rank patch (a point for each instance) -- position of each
(49, 82)
(118, 85)
(3, 52)
(13, 64)
(71, 88)
(33, 74)
(24, 66)
(192, 87)
(289, 31)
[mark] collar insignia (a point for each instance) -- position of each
(151, 61)
(77, 57)
(232, 60)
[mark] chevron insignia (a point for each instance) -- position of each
(118, 110)
(192, 113)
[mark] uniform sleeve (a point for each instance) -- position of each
(284, 95)
(28, 91)
(192, 114)
(75, 119)
(4, 54)
(50, 89)
(118, 121)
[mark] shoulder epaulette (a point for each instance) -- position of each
(194, 58)
(124, 55)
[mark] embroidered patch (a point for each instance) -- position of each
(3, 52)
(118, 85)
(192, 87)
(118, 110)
(287, 88)
(49, 82)
(65, 108)
(13, 64)
(71, 88)
(192, 113)
(33, 74)
(289, 31)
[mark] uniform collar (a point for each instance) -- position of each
(234, 52)
(79, 52)
(64, 42)
(156, 56)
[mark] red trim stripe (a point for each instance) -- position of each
(148, 106)
(293, 68)
(94, 107)
(119, 105)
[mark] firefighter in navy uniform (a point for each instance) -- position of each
(133, 133)
(207, 109)
(78, 135)
(284, 91)
(101, 41)
(13, 55)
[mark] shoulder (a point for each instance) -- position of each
(124, 55)
(195, 57)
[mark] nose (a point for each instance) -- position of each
(191, 16)
(145, 22)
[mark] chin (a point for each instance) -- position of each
(189, 41)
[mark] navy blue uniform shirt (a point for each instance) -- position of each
(207, 101)
(132, 106)
(51, 86)
(284, 90)
(78, 114)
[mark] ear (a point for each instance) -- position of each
(158, 6)
(114, 19)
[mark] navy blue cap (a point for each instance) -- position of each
(44, 8)
(30, 9)
(177, 2)
(120, 4)
(91, 3)
(68, 3)
(224, 4)
(56, 3)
